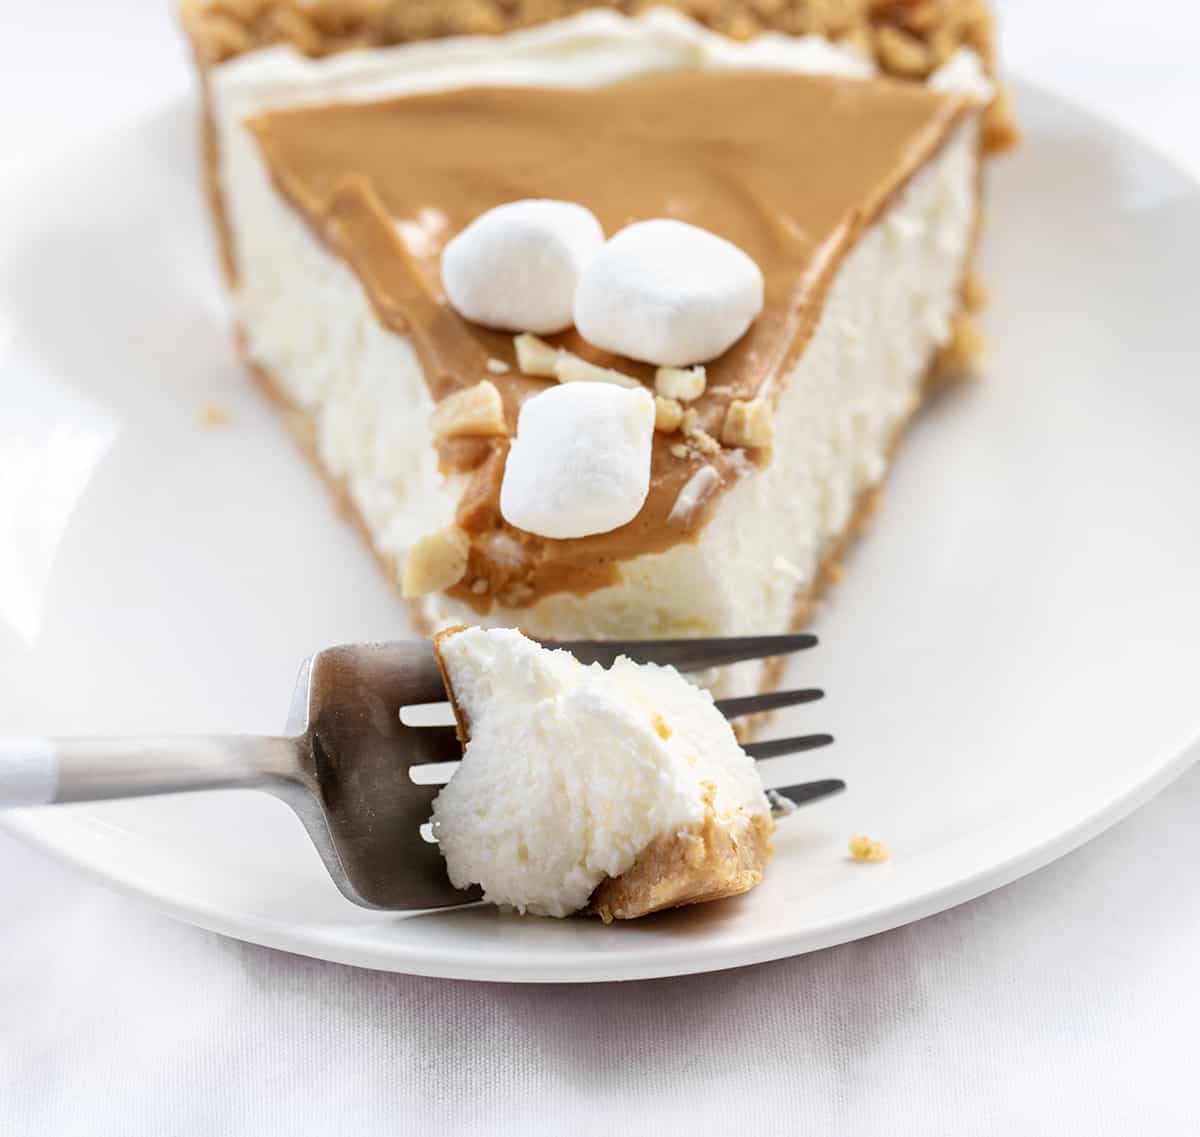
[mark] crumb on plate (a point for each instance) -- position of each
(212, 414)
(868, 852)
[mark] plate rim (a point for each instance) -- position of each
(508, 967)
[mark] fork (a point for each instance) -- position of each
(350, 767)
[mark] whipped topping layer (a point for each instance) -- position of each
(592, 48)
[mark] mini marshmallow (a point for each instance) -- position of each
(580, 463)
(668, 293)
(517, 267)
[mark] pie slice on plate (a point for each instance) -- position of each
(342, 162)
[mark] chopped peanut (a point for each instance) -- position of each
(472, 412)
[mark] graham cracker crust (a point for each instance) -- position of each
(908, 39)
(712, 860)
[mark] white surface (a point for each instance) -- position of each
(1065, 1003)
(668, 293)
(580, 463)
(572, 771)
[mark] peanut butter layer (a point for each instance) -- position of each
(789, 167)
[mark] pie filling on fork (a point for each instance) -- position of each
(617, 791)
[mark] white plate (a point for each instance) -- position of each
(1012, 665)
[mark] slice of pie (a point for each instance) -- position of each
(346, 149)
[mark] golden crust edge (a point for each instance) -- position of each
(907, 39)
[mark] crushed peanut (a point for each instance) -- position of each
(865, 851)
(472, 412)
(902, 53)
(975, 293)
(535, 356)
(684, 384)
(497, 366)
(698, 489)
(905, 37)
(748, 424)
(965, 348)
(570, 368)
(212, 414)
(436, 562)
(668, 414)
(680, 450)
(700, 442)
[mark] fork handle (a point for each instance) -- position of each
(45, 771)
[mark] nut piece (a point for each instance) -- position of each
(668, 414)
(901, 53)
(212, 414)
(535, 356)
(497, 366)
(699, 487)
(868, 852)
(699, 440)
(682, 383)
(436, 562)
(472, 412)
(570, 368)
(748, 424)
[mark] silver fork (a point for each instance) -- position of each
(346, 761)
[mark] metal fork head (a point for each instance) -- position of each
(355, 795)
(353, 789)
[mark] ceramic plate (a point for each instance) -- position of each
(1012, 664)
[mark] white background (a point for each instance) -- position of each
(1066, 1003)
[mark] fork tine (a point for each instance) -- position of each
(806, 792)
(689, 655)
(777, 747)
(757, 704)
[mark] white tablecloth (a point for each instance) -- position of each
(1066, 1003)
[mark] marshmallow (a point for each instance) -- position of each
(516, 267)
(581, 460)
(668, 293)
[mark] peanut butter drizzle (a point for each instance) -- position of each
(789, 167)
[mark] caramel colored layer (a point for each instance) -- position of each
(789, 167)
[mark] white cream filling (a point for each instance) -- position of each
(572, 771)
(308, 322)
